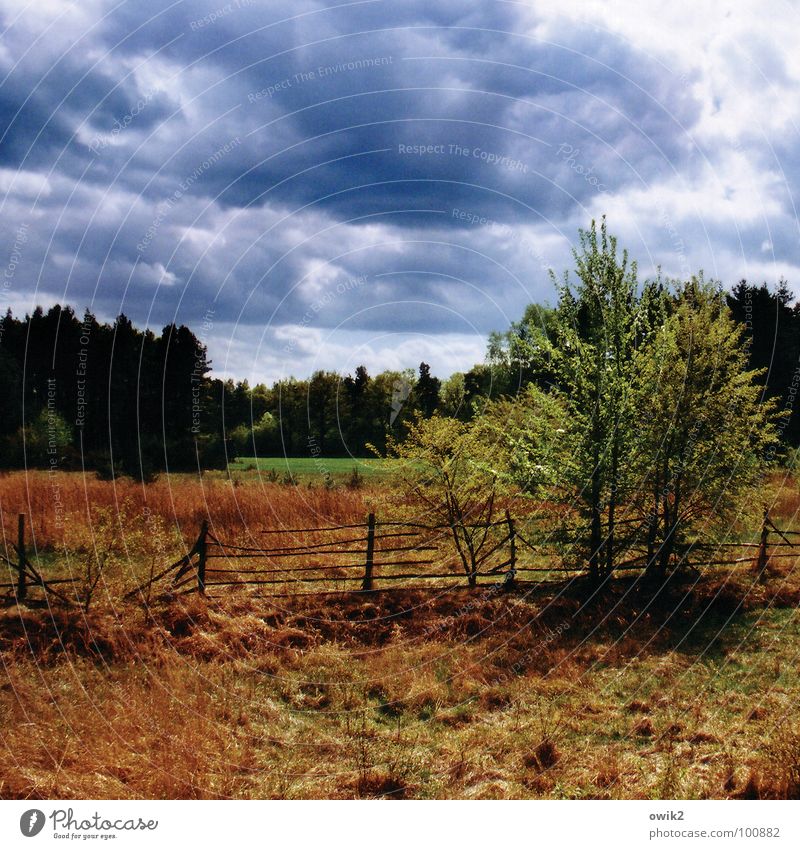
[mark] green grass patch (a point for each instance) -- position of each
(313, 467)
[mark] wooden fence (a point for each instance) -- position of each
(353, 557)
(373, 555)
(27, 575)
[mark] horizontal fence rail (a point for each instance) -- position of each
(377, 555)
(346, 557)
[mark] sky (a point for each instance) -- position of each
(318, 185)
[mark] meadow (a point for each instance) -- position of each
(543, 692)
(305, 469)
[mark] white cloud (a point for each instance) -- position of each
(739, 59)
(296, 351)
(23, 184)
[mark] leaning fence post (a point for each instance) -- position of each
(201, 557)
(512, 537)
(22, 587)
(366, 584)
(762, 547)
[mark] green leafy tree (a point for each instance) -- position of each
(525, 438)
(47, 437)
(598, 330)
(519, 356)
(445, 475)
(452, 396)
(704, 427)
(661, 425)
(260, 440)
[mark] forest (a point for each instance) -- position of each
(72, 386)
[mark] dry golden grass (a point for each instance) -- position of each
(402, 695)
(236, 505)
(686, 694)
(79, 526)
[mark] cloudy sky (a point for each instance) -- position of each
(316, 185)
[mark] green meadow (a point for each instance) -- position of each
(311, 468)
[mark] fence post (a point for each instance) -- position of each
(22, 587)
(512, 536)
(761, 563)
(366, 584)
(201, 558)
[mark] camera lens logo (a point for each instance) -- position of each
(31, 822)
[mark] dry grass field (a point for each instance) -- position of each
(690, 692)
(64, 503)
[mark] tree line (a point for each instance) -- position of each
(79, 393)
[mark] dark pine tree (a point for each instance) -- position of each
(426, 391)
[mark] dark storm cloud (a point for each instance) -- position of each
(350, 81)
(253, 157)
